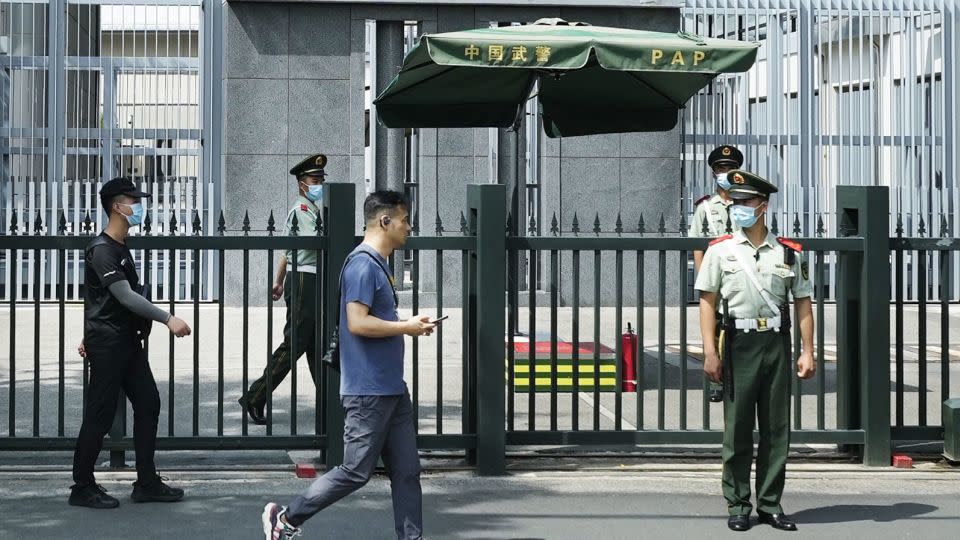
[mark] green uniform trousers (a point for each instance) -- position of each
(279, 364)
(761, 380)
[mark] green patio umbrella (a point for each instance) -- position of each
(592, 79)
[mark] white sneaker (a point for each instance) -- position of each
(275, 528)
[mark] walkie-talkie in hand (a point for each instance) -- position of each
(715, 389)
(726, 359)
(715, 392)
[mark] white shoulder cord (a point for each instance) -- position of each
(753, 278)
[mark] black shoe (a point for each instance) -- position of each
(255, 413)
(91, 496)
(739, 523)
(777, 521)
(155, 491)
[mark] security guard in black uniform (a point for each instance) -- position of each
(310, 176)
(753, 274)
(117, 320)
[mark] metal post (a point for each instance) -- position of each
(510, 172)
(56, 99)
(951, 92)
(390, 144)
(864, 213)
(212, 81)
(848, 346)
(339, 209)
(107, 142)
(805, 96)
(487, 207)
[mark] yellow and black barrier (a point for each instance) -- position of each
(587, 373)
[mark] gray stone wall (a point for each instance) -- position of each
(287, 84)
(293, 85)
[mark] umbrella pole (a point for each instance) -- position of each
(511, 176)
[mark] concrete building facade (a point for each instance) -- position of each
(295, 78)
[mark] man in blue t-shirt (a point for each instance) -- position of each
(378, 412)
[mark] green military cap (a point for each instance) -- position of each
(312, 166)
(726, 153)
(746, 185)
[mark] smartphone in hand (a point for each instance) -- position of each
(435, 321)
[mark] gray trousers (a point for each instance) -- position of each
(374, 426)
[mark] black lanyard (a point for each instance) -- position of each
(396, 299)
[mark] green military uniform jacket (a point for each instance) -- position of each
(722, 272)
(306, 213)
(715, 210)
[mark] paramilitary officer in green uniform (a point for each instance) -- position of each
(712, 209)
(310, 177)
(751, 274)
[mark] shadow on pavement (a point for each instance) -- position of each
(862, 512)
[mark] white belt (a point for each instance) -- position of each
(761, 324)
(307, 268)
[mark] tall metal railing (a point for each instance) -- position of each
(669, 403)
(510, 367)
(198, 375)
(43, 388)
(843, 93)
(91, 90)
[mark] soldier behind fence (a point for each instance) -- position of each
(117, 318)
(310, 176)
(711, 219)
(754, 273)
(710, 211)
(379, 420)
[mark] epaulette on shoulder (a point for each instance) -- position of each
(701, 199)
(794, 245)
(719, 239)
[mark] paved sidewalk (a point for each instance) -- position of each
(440, 374)
(668, 501)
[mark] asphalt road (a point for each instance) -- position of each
(682, 502)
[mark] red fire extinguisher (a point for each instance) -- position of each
(628, 352)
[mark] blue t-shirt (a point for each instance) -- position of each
(369, 366)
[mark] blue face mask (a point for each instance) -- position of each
(744, 216)
(314, 193)
(136, 218)
(722, 181)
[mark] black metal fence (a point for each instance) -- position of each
(195, 434)
(515, 364)
(669, 402)
(923, 353)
